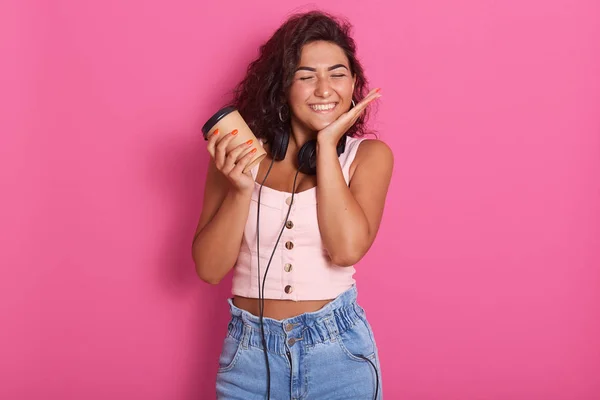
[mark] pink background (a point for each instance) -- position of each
(484, 282)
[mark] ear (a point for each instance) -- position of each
(353, 82)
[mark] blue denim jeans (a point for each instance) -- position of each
(328, 354)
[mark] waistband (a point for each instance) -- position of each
(323, 325)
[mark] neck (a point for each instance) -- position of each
(300, 134)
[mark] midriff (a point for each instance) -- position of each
(279, 309)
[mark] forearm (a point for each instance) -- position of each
(217, 245)
(343, 225)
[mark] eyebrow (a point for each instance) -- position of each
(336, 66)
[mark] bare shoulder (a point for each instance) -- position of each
(375, 149)
(373, 155)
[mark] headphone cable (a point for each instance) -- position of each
(261, 288)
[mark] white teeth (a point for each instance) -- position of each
(322, 107)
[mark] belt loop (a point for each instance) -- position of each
(247, 331)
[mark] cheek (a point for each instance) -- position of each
(297, 96)
(344, 89)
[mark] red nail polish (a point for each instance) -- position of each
(235, 132)
(216, 132)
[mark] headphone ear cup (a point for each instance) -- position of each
(280, 145)
(307, 158)
(307, 155)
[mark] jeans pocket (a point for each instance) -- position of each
(229, 354)
(357, 342)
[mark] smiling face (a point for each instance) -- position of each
(322, 87)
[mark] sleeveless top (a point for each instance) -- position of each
(301, 268)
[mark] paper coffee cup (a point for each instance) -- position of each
(226, 120)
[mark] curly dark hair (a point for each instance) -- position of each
(261, 97)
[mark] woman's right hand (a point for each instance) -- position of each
(232, 163)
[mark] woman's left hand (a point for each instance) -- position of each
(334, 131)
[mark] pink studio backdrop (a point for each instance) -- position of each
(484, 282)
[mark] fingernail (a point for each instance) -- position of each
(235, 132)
(253, 150)
(249, 142)
(215, 132)
(378, 90)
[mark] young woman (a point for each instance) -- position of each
(292, 231)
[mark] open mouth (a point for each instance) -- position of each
(323, 108)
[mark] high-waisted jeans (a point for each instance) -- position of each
(329, 354)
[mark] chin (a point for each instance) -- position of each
(321, 123)
(316, 123)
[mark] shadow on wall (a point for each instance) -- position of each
(179, 167)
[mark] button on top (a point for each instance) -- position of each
(288, 289)
(288, 201)
(289, 245)
(287, 267)
(289, 327)
(289, 224)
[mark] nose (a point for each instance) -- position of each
(323, 89)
